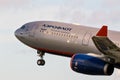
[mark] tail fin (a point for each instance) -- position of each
(103, 31)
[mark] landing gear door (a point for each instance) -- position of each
(86, 38)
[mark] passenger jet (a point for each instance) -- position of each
(92, 51)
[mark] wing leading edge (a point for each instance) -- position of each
(107, 47)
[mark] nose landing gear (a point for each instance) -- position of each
(41, 61)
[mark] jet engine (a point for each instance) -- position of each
(86, 64)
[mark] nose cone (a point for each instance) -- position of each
(16, 33)
(19, 33)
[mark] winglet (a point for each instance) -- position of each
(103, 31)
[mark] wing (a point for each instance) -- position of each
(107, 47)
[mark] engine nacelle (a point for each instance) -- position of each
(91, 65)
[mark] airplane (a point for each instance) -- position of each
(92, 51)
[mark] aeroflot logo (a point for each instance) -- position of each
(57, 27)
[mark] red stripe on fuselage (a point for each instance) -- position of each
(67, 54)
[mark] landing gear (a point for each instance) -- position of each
(41, 61)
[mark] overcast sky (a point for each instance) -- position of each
(18, 62)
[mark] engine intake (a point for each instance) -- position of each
(91, 65)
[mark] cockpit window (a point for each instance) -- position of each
(23, 27)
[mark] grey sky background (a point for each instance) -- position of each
(18, 62)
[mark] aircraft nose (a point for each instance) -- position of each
(18, 33)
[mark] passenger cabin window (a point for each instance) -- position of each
(60, 34)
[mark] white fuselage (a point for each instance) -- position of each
(61, 38)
